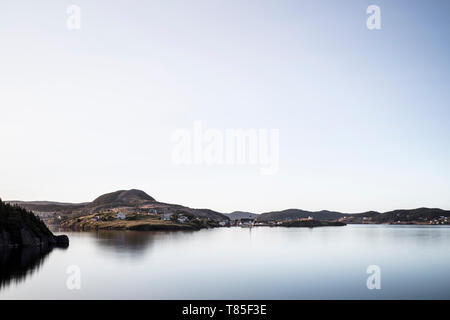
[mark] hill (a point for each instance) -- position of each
(237, 215)
(415, 216)
(208, 213)
(48, 206)
(299, 214)
(120, 198)
(411, 215)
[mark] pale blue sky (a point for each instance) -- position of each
(363, 115)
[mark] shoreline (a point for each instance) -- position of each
(178, 227)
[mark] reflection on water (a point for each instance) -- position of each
(238, 263)
(18, 263)
(133, 242)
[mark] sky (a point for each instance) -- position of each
(363, 115)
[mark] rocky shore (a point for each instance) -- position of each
(21, 228)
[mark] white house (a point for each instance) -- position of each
(121, 216)
(182, 219)
(166, 216)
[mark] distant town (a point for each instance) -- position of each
(136, 210)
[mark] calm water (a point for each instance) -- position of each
(236, 263)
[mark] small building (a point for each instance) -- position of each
(182, 219)
(167, 216)
(246, 222)
(121, 216)
(222, 223)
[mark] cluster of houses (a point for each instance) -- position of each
(276, 223)
(163, 216)
(440, 220)
(119, 215)
(180, 218)
(351, 219)
(168, 216)
(183, 219)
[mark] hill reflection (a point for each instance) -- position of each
(134, 243)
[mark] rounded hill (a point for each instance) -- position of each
(132, 196)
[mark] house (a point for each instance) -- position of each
(96, 218)
(121, 216)
(152, 211)
(222, 223)
(167, 216)
(182, 219)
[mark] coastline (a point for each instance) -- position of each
(145, 223)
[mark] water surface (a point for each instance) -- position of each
(238, 263)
